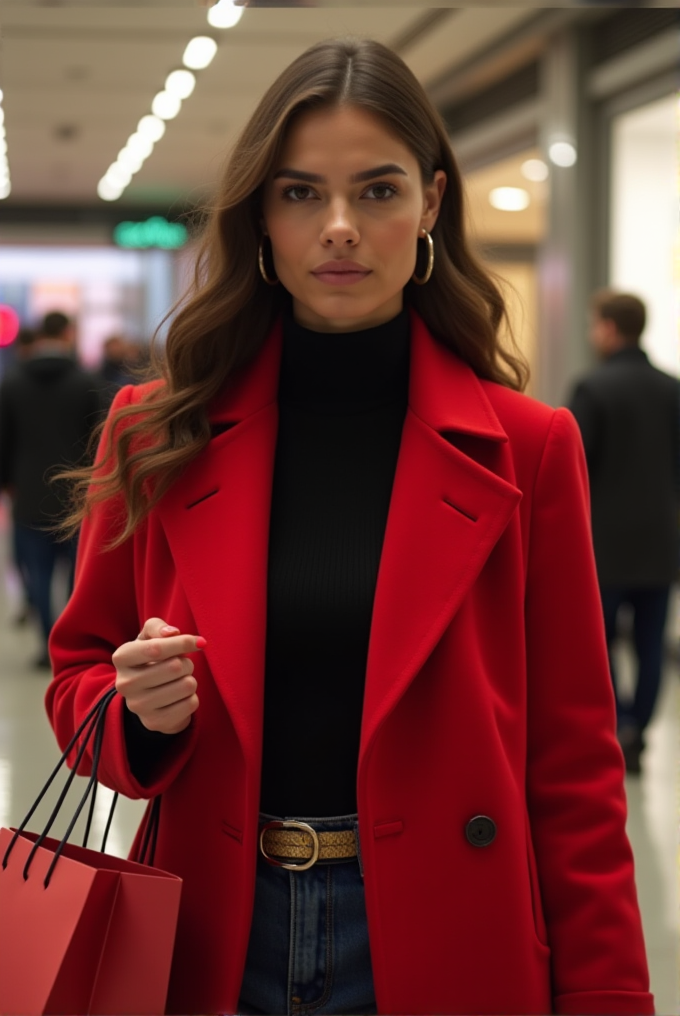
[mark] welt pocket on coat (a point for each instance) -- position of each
(388, 829)
(461, 511)
(230, 830)
(204, 497)
(220, 428)
(536, 904)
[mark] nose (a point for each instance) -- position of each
(339, 227)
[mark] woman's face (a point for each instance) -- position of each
(346, 193)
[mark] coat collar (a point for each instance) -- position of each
(444, 392)
(447, 512)
(631, 353)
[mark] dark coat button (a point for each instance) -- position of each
(480, 831)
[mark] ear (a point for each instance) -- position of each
(432, 200)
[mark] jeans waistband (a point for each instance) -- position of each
(332, 822)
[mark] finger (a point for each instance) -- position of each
(132, 656)
(173, 718)
(156, 627)
(155, 650)
(150, 700)
(139, 676)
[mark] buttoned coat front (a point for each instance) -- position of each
(487, 694)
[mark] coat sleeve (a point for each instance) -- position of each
(100, 616)
(575, 786)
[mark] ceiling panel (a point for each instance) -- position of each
(78, 76)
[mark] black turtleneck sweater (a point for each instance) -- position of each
(342, 401)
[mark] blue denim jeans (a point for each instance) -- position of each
(308, 951)
(38, 551)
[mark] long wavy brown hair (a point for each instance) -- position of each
(222, 321)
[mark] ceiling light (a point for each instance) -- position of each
(5, 189)
(2, 115)
(2, 95)
(139, 145)
(107, 191)
(535, 170)
(118, 175)
(562, 153)
(151, 127)
(166, 106)
(224, 14)
(131, 161)
(199, 52)
(3, 146)
(180, 83)
(509, 199)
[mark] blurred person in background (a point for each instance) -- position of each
(23, 344)
(23, 347)
(48, 408)
(628, 413)
(120, 364)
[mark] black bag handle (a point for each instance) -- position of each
(150, 833)
(92, 783)
(93, 724)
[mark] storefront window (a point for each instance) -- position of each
(107, 291)
(644, 245)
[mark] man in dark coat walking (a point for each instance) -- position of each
(48, 408)
(629, 416)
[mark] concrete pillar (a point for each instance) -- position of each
(566, 258)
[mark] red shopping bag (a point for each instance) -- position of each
(81, 931)
(98, 939)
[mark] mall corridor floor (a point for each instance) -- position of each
(28, 753)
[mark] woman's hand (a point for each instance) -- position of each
(155, 677)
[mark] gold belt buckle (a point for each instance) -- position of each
(276, 824)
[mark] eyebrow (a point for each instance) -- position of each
(366, 174)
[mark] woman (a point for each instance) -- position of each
(340, 571)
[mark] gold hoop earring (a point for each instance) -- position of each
(263, 270)
(430, 261)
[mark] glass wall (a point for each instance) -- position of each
(644, 244)
(108, 291)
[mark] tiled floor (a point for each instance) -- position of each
(28, 751)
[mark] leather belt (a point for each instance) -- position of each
(297, 840)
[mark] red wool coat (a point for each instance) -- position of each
(487, 694)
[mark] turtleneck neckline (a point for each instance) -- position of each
(345, 371)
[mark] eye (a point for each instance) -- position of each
(390, 188)
(289, 192)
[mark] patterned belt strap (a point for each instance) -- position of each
(298, 844)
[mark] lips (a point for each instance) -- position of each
(341, 268)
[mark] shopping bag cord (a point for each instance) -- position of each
(150, 833)
(92, 783)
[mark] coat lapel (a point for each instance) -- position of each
(216, 520)
(446, 514)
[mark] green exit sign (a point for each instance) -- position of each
(154, 232)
